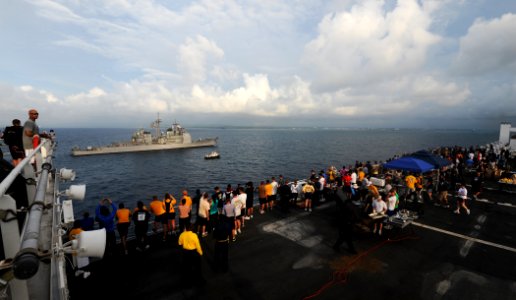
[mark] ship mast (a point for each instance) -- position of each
(155, 124)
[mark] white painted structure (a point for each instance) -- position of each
(505, 135)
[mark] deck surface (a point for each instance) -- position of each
(289, 256)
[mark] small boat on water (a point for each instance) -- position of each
(175, 137)
(212, 155)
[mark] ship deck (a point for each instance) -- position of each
(290, 256)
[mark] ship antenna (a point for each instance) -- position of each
(155, 124)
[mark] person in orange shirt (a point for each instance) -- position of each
(361, 175)
(123, 215)
(270, 197)
(170, 214)
(262, 197)
(187, 198)
(81, 263)
(157, 209)
(373, 190)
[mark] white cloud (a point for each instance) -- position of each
(194, 55)
(367, 44)
(489, 46)
(267, 60)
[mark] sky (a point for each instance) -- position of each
(359, 64)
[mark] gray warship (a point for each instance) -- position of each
(175, 137)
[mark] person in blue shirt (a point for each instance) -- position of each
(106, 219)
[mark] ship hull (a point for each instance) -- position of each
(143, 148)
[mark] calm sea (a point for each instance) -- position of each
(246, 155)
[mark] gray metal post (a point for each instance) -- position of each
(11, 241)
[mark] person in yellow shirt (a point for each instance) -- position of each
(187, 197)
(192, 252)
(170, 214)
(410, 181)
(373, 190)
(123, 215)
(308, 191)
(156, 208)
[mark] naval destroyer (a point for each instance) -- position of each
(175, 137)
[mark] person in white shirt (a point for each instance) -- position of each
(242, 198)
(379, 208)
(294, 190)
(203, 214)
(274, 184)
(353, 177)
(391, 202)
(461, 201)
(322, 184)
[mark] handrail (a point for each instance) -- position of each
(6, 183)
(14, 245)
(26, 262)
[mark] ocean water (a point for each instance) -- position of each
(247, 154)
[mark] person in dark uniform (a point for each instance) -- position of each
(13, 137)
(221, 235)
(285, 195)
(346, 217)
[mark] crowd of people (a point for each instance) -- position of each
(224, 212)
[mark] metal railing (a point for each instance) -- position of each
(32, 267)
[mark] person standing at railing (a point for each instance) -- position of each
(31, 133)
(141, 217)
(106, 219)
(170, 215)
(123, 215)
(13, 137)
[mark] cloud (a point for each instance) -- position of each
(262, 62)
(368, 44)
(489, 46)
(194, 55)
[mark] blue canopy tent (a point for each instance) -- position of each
(435, 160)
(408, 163)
